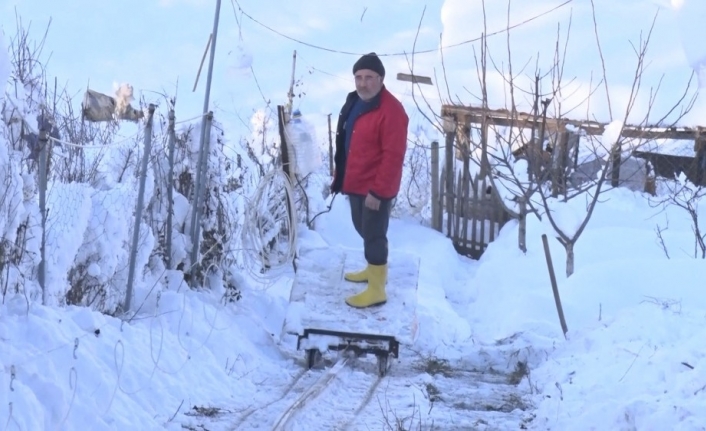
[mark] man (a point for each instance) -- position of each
(371, 141)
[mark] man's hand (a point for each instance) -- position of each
(372, 202)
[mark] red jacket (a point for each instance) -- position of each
(377, 148)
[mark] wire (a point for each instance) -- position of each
(424, 51)
(267, 217)
(197, 117)
(112, 144)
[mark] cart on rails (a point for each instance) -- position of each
(322, 322)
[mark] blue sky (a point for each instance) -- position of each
(156, 45)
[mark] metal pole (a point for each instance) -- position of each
(170, 189)
(200, 192)
(138, 209)
(199, 174)
(42, 174)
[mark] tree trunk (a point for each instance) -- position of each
(569, 247)
(523, 225)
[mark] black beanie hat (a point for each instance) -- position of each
(370, 61)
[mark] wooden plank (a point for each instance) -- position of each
(416, 79)
(503, 117)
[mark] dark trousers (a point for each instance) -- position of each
(372, 225)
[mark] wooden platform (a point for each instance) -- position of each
(317, 299)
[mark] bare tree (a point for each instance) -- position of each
(531, 158)
(684, 194)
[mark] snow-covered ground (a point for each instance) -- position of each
(633, 358)
(489, 352)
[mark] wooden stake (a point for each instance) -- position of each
(555, 288)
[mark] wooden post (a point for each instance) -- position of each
(449, 166)
(440, 200)
(475, 204)
(330, 147)
(458, 205)
(435, 204)
(700, 152)
(555, 288)
(484, 162)
(463, 208)
(146, 153)
(480, 196)
(559, 165)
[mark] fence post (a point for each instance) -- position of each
(202, 172)
(170, 189)
(42, 174)
(450, 171)
(196, 204)
(202, 156)
(435, 203)
(700, 159)
(138, 209)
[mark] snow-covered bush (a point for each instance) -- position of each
(20, 87)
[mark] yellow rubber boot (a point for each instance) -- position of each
(358, 276)
(374, 294)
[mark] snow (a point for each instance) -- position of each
(633, 351)
(488, 352)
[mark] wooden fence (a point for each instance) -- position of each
(466, 208)
(470, 212)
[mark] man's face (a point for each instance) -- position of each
(367, 83)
